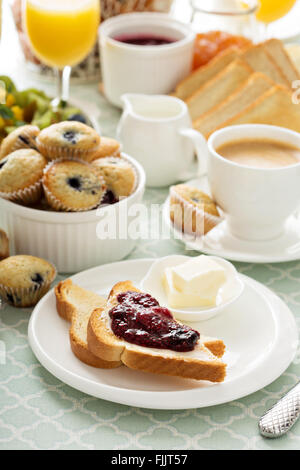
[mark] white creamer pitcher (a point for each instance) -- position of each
(157, 131)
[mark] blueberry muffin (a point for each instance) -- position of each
(24, 280)
(4, 245)
(21, 138)
(108, 147)
(71, 185)
(21, 175)
(192, 210)
(119, 176)
(69, 139)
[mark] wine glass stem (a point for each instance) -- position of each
(63, 87)
(266, 31)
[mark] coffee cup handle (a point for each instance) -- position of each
(201, 149)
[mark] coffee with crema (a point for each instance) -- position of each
(260, 153)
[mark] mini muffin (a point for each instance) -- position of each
(71, 185)
(119, 175)
(21, 175)
(24, 280)
(192, 210)
(69, 139)
(21, 138)
(108, 147)
(4, 245)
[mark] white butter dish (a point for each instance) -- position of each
(230, 291)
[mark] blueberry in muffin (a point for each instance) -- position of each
(71, 185)
(68, 139)
(21, 176)
(22, 137)
(119, 175)
(24, 279)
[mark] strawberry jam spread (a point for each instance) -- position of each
(139, 319)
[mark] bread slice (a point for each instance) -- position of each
(275, 107)
(256, 85)
(199, 364)
(218, 88)
(277, 51)
(293, 51)
(75, 305)
(214, 345)
(261, 61)
(199, 77)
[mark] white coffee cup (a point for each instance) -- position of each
(128, 68)
(256, 201)
(157, 131)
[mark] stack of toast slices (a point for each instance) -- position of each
(253, 85)
(94, 343)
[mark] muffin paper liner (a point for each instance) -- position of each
(29, 195)
(56, 203)
(64, 153)
(191, 216)
(25, 297)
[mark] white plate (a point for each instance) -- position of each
(227, 295)
(260, 333)
(220, 242)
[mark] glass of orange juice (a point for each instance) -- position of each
(61, 34)
(272, 10)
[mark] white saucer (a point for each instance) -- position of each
(259, 331)
(220, 242)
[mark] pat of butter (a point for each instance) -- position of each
(201, 274)
(195, 283)
(177, 299)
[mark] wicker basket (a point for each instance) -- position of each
(89, 69)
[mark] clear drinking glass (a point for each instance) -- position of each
(61, 34)
(272, 10)
(233, 16)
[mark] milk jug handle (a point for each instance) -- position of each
(201, 149)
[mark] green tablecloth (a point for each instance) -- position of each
(37, 411)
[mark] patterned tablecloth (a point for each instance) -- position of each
(37, 411)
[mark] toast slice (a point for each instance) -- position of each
(75, 305)
(275, 107)
(256, 85)
(261, 61)
(199, 364)
(277, 51)
(218, 88)
(293, 51)
(199, 77)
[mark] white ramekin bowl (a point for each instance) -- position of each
(128, 68)
(228, 294)
(74, 241)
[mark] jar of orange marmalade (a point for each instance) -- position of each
(221, 24)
